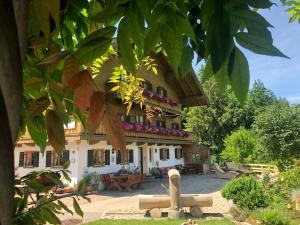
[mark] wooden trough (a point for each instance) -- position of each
(156, 202)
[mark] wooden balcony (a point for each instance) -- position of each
(131, 136)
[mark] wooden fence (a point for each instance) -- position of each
(261, 168)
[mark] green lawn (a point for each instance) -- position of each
(157, 222)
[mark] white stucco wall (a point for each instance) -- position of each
(78, 159)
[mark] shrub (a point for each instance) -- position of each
(246, 192)
(240, 146)
(274, 218)
(289, 180)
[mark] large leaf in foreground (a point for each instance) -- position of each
(114, 129)
(37, 131)
(125, 46)
(83, 85)
(96, 112)
(238, 70)
(258, 45)
(71, 67)
(55, 129)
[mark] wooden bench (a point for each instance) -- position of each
(137, 179)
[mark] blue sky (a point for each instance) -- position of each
(279, 74)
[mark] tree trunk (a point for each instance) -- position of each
(10, 97)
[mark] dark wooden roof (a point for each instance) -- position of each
(187, 87)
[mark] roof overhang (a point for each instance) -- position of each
(187, 87)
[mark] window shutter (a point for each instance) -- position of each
(90, 159)
(107, 157)
(130, 156)
(21, 159)
(157, 90)
(36, 157)
(118, 157)
(165, 92)
(150, 87)
(181, 153)
(161, 154)
(66, 155)
(168, 153)
(176, 153)
(48, 158)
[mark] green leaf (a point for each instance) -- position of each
(77, 207)
(37, 130)
(62, 205)
(66, 164)
(66, 175)
(50, 216)
(92, 50)
(221, 77)
(186, 60)
(106, 32)
(54, 9)
(173, 45)
(219, 41)
(249, 18)
(55, 129)
(53, 177)
(38, 187)
(239, 75)
(185, 26)
(143, 7)
(152, 39)
(262, 4)
(136, 28)
(258, 44)
(125, 45)
(208, 72)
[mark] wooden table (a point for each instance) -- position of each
(118, 181)
(188, 170)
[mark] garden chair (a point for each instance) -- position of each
(220, 173)
(234, 167)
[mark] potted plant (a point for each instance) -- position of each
(296, 198)
(87, 180)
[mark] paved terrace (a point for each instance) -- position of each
(111, 202)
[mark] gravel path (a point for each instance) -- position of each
(109, 204)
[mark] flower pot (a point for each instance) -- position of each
(88, 189)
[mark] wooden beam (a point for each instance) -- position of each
(193, 100)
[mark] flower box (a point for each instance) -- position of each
(127, 126)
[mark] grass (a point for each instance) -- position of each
(157, 222)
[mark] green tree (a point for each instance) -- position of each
(240, 146)
(259, 97)
(212, 123)
(278, 127)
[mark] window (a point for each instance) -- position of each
(118, 161)
(178, 153)
(164, 154)
(54, 159)
(147, 85)
(122, 118)
(98, 157)
(195, 158)
(175, 126)
(29, 159)
(160, 123)
(140, 119)
(161, 91)
(130, 155)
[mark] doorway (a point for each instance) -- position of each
(141, 159)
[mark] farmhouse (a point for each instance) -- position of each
(159, 143)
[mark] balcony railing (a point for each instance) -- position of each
(78, 130)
